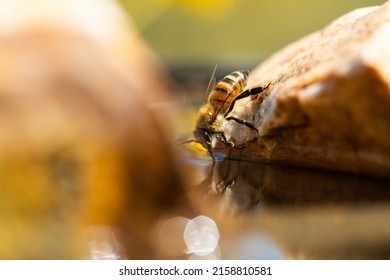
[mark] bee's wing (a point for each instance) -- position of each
(211, 84)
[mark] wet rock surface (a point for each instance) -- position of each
(328, 100)
(309, 214)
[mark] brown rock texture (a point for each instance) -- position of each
(328, 100)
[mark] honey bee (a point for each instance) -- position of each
(220, 102)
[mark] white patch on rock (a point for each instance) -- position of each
(311, 91)
(264, 116)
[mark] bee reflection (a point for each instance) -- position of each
(243, 186)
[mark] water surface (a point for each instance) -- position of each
(278, 212)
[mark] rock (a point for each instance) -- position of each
(328, 100)
(86, 165)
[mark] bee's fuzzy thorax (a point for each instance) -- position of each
(205, 118)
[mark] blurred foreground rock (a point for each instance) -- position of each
(328, 103)
(86, 167)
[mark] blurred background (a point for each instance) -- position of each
(197, 34)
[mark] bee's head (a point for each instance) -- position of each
(203, 136)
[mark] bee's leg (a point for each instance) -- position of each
(242, 146)
(224, 140)
(231, 144)
(248, 124)
(211, 153)
(246, 93)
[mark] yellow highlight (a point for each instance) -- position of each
(209, 9)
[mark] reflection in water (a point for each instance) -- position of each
(254, 245)
(244, 186)
(310, 214)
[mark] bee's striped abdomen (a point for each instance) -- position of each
(227, 89)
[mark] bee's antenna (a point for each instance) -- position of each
(196, 141)
(188, 142)
(211, 84)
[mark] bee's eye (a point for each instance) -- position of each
(203, 136)
(206, 136)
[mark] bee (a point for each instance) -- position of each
(220, 102)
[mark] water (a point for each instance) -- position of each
(275, 212)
